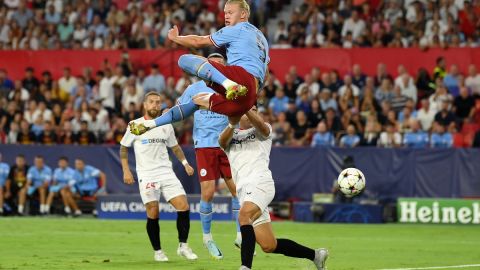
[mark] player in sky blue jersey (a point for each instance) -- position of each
(211, 160)
(88, 179)
(38, 179)
(236, 84)
(4, 171)
(63, 183)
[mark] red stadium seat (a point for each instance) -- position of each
(468, 139)
(470, 128)
(458, 140)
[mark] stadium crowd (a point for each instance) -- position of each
(106, 24)
(431, 108)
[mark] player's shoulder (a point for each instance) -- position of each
(139, 120)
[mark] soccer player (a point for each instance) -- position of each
(248, 150)
(247, 54)
(16, 183)
(38, 179)
(211, 161)
(155, 175)
(87, 179)
(4, 171)
(64, 182)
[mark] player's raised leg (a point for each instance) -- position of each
(202, 68)
(180, 203)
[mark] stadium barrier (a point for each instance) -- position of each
(301, 172)
(438, 211)
(281, 60)
(131, 207)
(337, 213)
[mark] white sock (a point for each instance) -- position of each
(1, 210)
(20, 209)
(228, 83)
(207, 237)
(47, 208)
(239, 236)
(182, 245)
(68, 210)
(43, 208)
(78, 212)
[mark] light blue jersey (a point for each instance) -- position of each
(64, 176)
(246, 47)
(323, 139)
(38, 176)
(87, 180)
(207, 124)
(349, 141)
(416, 139)
(444, 140)
(4, 171)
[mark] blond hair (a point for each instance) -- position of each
(242, 3)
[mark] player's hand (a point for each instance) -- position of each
(189, 170)
(173, 33)
(137, 129)
(234, 119)
(128, 177)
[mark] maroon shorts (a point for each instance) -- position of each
(220, 104)
(212, 163)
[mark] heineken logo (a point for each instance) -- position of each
(438, 211)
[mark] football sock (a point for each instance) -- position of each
(176, 113)
(20, 209)
(236, 210)
(153, 230)
(200, 67)
(248, 245)
(206, 219)
(183, 225)
(290, 248)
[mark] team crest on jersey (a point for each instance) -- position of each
(203, 172)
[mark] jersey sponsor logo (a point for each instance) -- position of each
(154, 140)
(203, 172)
(250, 137)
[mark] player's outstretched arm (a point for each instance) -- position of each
(178, 152)
(127, 174)
(226, 136)
(257, 122)
(190, 41)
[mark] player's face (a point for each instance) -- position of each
(234, 14)
(152, 106)
(245, 123)
(38, 162)
(62, 163)
(79, 165)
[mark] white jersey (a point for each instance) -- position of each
(249, 156)
(151, 155)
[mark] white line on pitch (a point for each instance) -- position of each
(436, 267)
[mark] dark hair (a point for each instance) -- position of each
(39, 156)
(439, 59)
(21, 156)
(63, 158)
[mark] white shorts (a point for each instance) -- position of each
(260, 193)
(168, 185)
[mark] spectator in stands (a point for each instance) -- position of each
(303, 102)
(406, 84)
(326, 100)
(426, 115)
(16, 184)
(441, 94)
(398, 101)
(472, 81)
(290, 87)
(351, 139)
(425, 86)
(89, 181)
(322, 136)
(279, 103)
(354, 24)
(390, 138)
(464, 105)
(359, 79)
(85, 136)
(106, 91)
(440, 69)
(451, 80)
(385, 91)
(66, 135)
(348, 84)
(416, 138)
(20, 91)
(155, 81)
(368, 104)
(25, 135)
(440, 138)
(300, 130)
(39, 177)
(316, 114)
(6, 85)
(476, 140)
(22, 15)
(348, 100)
(370, 136)
(382, 74)
(47, 135)
(67, 83)
(310, 84)
(281, 130)
(63, 183)
(445, 117)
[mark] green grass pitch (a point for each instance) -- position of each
(85, 243)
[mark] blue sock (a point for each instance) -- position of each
(201, 68)
(206, 216)
(176, 113)
(236, 210)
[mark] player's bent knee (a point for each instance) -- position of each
(268, 248)
(152, 209)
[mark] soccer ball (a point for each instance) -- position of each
(351, 182)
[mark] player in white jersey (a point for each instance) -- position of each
(248, 150)
(155, 175)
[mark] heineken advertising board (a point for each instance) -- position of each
(441, 211)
